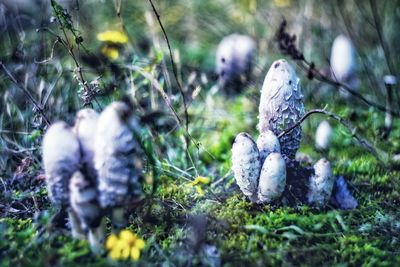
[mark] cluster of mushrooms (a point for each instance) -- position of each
(267, 171)
(93, 169)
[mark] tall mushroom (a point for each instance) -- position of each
(117, 160)
(61, 158)
(281, 106)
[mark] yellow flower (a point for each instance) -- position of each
(113, 37)
(199, 190)
(110, 52)
(200, 180)
(127, 245)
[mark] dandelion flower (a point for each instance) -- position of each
(200, 180)
(126, 246)
(110, 52)
(116, 37)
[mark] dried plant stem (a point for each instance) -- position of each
(323, 78)
(26, 92)
(378, 28)
(380, 155)
(173, 65)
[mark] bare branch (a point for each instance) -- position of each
(380, 155)
(173, 65)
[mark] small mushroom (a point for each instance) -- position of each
(85, 129)
(234, 59)
(267, 143)
(61, 158)
(85, 206)
(320, 184)
(272, 178)
(246, 164)
(281, 106)
(343, 63)
(118, 160)
(323, 135)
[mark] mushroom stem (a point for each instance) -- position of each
(76, 229)
(118, 218)
(96, 237)
(388, 116)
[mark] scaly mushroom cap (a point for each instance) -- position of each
(83, 199)
(61, 158)
(267, 143)
(85, 129)
(281, 106)
(246, 164)
(234, 58)
(321, 183)
(342, 58)
(272, 178)
(117, 156)
(323, 135)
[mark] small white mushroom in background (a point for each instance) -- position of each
(343, 63)
(267, 143)
(61, 158)
(246, 164)
(281, 106)
(84, 204)
(323, 135)
(272, 178)
(234, 58)
(118, 160)
(321, 184)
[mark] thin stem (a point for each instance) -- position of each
(173, 65)
(380, 155)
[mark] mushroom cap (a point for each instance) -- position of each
(234, 58)
(272, 178)
(117, 156)
(323, 135)
(61, 158)
(267, 143)
(85, 129)
(281, 106)
(342, 58)
(321, 183)
(246, 164)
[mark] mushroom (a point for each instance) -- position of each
(246, 165)
(323, 135)
(234, 60)
(84, 203)
(343, 63)
(117, 160)
(267, 143)
(281, 106)
(85, 129)
(321, 183)
(272, 178)
(61, 158)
